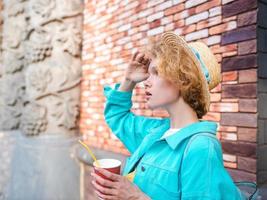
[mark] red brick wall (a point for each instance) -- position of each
(114, 29)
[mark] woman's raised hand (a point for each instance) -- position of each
(137, 70)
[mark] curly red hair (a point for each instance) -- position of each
(175, 65)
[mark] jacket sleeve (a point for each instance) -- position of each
(203, 176)
(128, 127)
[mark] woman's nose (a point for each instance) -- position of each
(147, 83)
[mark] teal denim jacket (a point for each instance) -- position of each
(163, 170)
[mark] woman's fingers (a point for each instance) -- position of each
(146, 61)
(102, 181)
(103, 190)
(103, 196)
(134, 55)
(109, 175)
(140, 57)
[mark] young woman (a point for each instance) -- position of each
(177, 157)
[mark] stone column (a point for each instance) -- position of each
(39, 96)
(41, 66)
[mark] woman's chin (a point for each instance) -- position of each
(151, 106)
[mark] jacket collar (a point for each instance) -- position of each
(175, 139)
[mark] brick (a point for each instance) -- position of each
(228, 136)
(174, 9)
(153, 3)
(247, 134)
(196, 18)
(229, 158)
(222, 49)
(248, 105)
(239, 119)
(163, 6)
(166, 20)
(224, 107)
(155, 31)
(226, 1)
(139, 22)
(130, 6)
(179, 23)
(169, 27)
(229, 76)
(144, 27)
(209, 22)
(215, 39)
(124, 27)
(230, 165)
(215, 11)
(188, 29)
(247, 164)
(239, 62)
(238, 6)
(228, 19)
(145, 13)
(239, 148)
(218, 57)
(239, 91)
(207, 6)
(183, 14)
(215, 97)
(212, 116)
(247, 76)
(247, 47)
(175, 2)
(197, 35)
(227, 128)
(229, 54)
(192, 3)
(155, 16)
(154, 24)
(238, 175)
(222, 28)
(247, 18)
(240, 34)
(218, 88)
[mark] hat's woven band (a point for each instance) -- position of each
(203, 66)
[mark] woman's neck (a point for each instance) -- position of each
(181, 114)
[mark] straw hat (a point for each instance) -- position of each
(203, 59)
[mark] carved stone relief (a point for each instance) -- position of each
(41, 70)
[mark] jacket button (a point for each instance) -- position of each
(143, 168)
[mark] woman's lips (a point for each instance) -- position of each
(148, 95)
